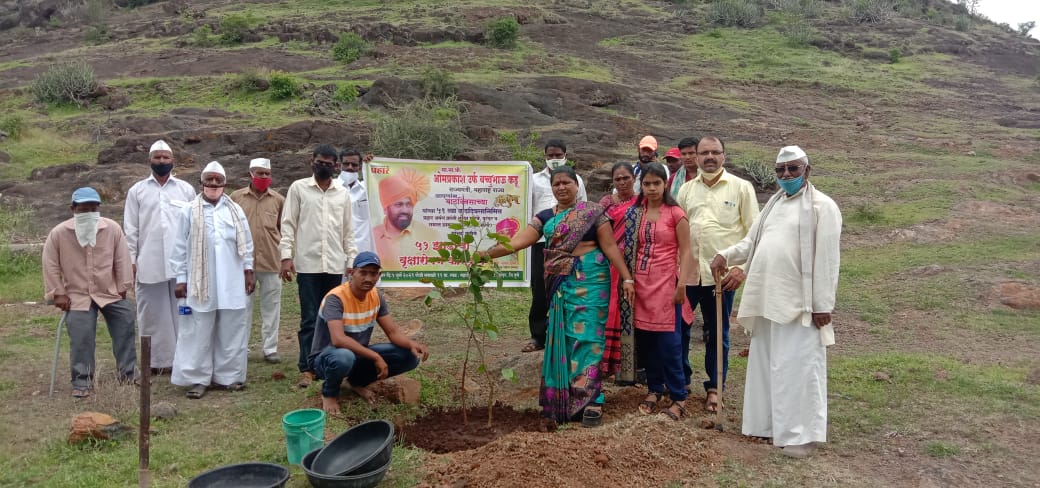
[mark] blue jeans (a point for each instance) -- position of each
(659, 354)
(333, 364)
(313, 288)
(705, 297)
(684, 333)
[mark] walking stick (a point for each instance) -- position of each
(57, 347)
(144, 477)
(718, 351)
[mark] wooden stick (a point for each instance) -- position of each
(144, 478)
(718, 352)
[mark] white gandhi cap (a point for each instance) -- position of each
(789, 153)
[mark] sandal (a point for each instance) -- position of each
(196, 392)
(532, 346)
(649, 407)
(236, 386)
(593, 416)
(681, 405)
(712, 406)
(80, 392)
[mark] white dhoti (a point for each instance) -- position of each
(269, 292)
(212, 347)
(157, 317)
(785, 396)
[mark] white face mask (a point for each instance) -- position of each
(349, 177)
(86, 228)
(555, 163)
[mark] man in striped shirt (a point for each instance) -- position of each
(345, 321)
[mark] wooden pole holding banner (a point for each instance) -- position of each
(144, 478)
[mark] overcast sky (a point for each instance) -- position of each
(1013, 12)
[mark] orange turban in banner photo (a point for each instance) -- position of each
(404, 183)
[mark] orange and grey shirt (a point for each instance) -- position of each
(358, 316)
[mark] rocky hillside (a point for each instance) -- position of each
(915, 87)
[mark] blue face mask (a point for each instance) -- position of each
(792, 185)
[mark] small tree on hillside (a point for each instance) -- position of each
(1025, 27)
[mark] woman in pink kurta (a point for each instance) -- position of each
(656, 248)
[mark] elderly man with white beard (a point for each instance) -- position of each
(153, 206)
(86, 270)
(791, 255)
(213, 262)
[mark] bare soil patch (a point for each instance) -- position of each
(641, 451)
(442, 431)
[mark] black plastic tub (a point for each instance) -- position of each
(245, 475)
(359, 480)
(361, 449)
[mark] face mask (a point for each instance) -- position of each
(349, 177)
(710, 176)
(322, 172)
(792, 185)
(86, 228)
(261, 184)
(162, 169)
(552, 164)
(212, 194)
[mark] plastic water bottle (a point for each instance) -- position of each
(183, 309)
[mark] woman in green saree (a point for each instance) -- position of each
(579, 250)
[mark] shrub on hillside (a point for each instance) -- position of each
(350, 48)
(203, 36)
(762, 173)
(895, 55)
(233, 29)
(523, 148)
(251, 81)
(97, 35)
(64, 82)
(871, 11)
(345, 94)
(734, 13)
(502, 33)
(962, 23)
(437, 83)
(12, 125)
(284, 86)
(423, 129)
(800, 34)
(806, 9)
(139, 3)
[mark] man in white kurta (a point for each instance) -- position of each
(213, 261)
(150, 216)
(351, 162)
(792, 258)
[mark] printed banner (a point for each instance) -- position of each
(413, 203)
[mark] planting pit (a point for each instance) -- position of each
(442, 431)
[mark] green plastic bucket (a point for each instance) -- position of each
(304, 432)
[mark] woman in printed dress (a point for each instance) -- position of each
(579, 250)
(657, 246)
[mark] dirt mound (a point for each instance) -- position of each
(642, 451)
(442, 431)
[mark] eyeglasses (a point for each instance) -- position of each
(351, 164)
(214, 185)
(790, 168)
(710, 153)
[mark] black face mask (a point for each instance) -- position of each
(322, 172)
(162, 169)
